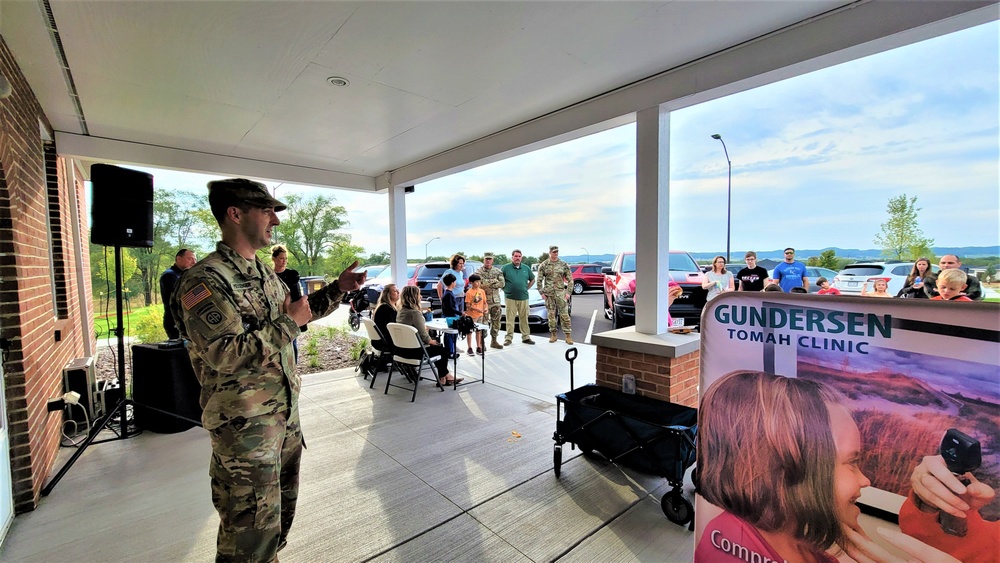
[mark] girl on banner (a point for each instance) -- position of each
(779, 457)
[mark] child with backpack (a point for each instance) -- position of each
(475, 307)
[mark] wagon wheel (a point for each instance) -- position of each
(676, 508)
(557, 459)
(354, 320)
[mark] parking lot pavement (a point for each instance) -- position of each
(588, 307)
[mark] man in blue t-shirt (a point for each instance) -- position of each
(791, 273)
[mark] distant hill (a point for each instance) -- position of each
(871, 254)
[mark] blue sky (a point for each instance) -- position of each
(815, 160)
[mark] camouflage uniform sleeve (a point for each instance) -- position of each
(324, 301)
(567, 274)
(209, 316)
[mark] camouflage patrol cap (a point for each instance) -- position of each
(553, 248)
(232, 191)
(487, 255)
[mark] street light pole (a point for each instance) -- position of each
(588, 253)
(428, 244)
(729, 196)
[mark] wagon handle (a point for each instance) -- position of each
(570, 356)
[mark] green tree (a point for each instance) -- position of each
(342, 255)
(378, 258)
(923, 250)
(310, 231)
(206, 228)
(991, 271)
(174, 226)
(900, 234)
(828, 259)
(102, 269)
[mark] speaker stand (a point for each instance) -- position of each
(122, 407)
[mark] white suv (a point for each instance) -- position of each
(851, 279)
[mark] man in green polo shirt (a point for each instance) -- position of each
(517, 280)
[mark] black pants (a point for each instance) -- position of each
(432, 350)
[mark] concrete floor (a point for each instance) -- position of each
(457, 476)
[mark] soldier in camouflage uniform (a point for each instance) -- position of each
(240, 321)
(491, 280)
(554, 281)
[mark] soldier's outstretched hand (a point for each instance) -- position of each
(349, 281)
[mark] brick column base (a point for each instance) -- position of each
(667, 379)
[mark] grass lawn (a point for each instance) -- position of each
(104, 321)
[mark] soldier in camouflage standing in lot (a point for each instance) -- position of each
(554, 281)
(491, 280)
(240, 321)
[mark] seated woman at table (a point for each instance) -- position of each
(385, 311)
(410, 314)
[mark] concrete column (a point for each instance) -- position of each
(652, 218)
(397, 234)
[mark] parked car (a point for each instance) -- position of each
(374, 286)
(538, 315)
(619, 305)
(587, 276)
(734, 269)
(426, 277)
(372, 269)
(813, 273)
(851, 279)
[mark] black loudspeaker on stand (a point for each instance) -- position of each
(122, 215)
(122, 206)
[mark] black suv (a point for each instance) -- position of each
(426, 277)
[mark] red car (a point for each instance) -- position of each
(586, 276)
(618, 303)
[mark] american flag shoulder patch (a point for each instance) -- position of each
(195, 295)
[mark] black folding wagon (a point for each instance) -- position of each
(645, 434)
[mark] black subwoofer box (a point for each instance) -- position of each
(163, 380)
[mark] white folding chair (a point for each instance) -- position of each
(404, 337)
(381, 345)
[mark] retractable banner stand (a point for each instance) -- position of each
(868, 387)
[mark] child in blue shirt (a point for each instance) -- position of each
(449, 310)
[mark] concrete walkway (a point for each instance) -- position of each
(457, 476)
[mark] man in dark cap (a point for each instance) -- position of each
(492, 282)
(240, 322)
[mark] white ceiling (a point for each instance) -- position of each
(234, 87)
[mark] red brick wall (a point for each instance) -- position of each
(28, 317)
(667, 379)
